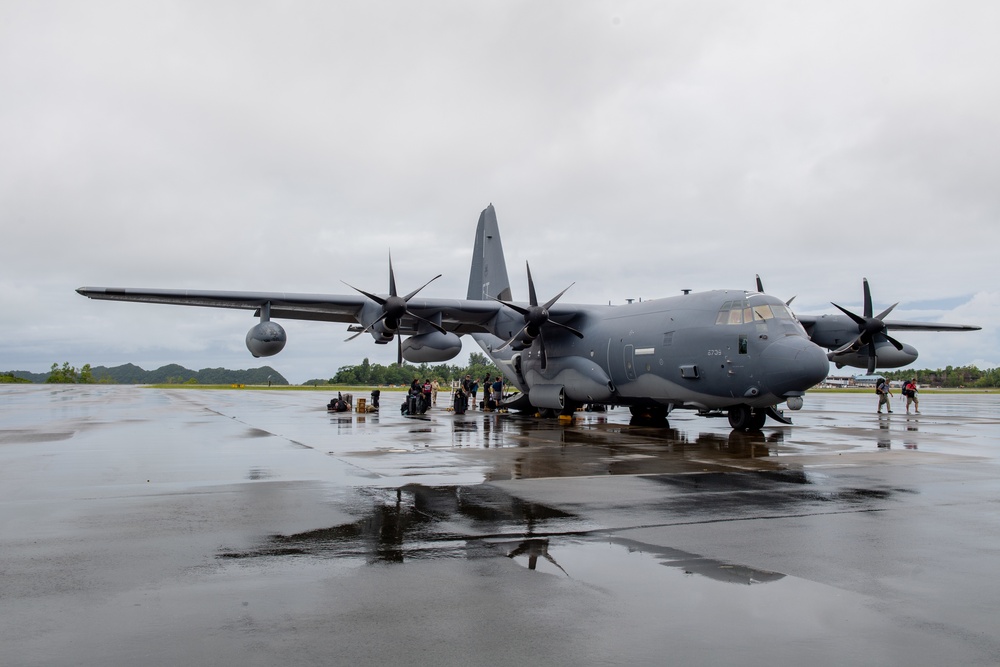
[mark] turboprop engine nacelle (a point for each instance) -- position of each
(266, 339)
(431, 347)
(888, 356)
(382, 333)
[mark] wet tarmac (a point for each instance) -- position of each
(165, 527)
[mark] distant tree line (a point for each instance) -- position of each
(367, 373)
(67, 374)
(132, 374)
(952, 377)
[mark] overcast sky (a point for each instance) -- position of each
(637, 148)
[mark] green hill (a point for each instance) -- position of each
(169, 374)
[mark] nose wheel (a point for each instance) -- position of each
(745, 418)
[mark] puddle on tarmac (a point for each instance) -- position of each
(475, 522)
(418, 522)
(608, 558)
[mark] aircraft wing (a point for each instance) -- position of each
(457, 315)
(809, 321)
(928, 326)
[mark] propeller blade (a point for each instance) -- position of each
(857, 319)
(392, 278)
(567, 328)
(868, 299)
(846, 347)
(532, 299)
(895, 343)
(881, 316)
(367, 328)
(760, 285)
(872, 359)
(513, 338)
(512, 306)
(426, 321)
(399, 350)
(551, 302)
(414, 292)
(374, 297)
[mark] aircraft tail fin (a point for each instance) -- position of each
(488, 277)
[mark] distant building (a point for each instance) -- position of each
(871, 380)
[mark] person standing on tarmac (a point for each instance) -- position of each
(435, 385)
(427, 394)
(882, 389)
(461, 399)
(467, 389)
(415, 391)
(910, 391)
(486, 394)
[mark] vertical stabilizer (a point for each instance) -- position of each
(489, 270)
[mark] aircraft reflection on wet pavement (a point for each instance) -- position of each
(473, 522)
(604, 447)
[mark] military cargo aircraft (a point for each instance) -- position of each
(722, 352)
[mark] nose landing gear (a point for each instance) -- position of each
(745, 418)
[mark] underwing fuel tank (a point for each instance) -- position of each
(431, 347)
(266, 339)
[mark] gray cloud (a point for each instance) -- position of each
(635, 148)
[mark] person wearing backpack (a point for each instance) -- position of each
(910, 391)
(882, 389)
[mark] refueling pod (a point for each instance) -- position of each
(430, 347)
(267, 338)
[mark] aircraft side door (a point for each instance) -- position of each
(628, 361)
(621, 362)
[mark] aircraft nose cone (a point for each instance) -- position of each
(793, 364)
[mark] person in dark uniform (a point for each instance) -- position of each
(882, 389)
(487, 390)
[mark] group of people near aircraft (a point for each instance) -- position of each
(420, 397)
(468, 389)
(910, 390)
(339, 404)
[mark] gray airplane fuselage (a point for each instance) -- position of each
(706, 350)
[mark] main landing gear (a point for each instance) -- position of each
(745, 418)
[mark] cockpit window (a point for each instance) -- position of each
(782, 313)
(739, 312)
